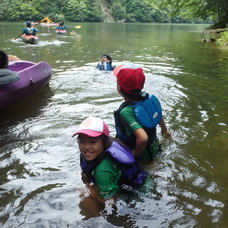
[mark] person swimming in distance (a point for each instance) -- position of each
(105, 63)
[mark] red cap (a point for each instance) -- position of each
(129, 77)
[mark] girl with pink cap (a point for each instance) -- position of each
(106, 164)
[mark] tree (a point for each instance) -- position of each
(138, 11)
(217, 9)
(118, 12)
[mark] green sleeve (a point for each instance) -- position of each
(130, 125)
(107, 177)
(128, 120)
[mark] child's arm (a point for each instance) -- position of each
(13, 58)
(141, 141)
(164, 130)
(93, 204)
(106, 176)
(85, 178)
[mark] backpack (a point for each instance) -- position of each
(130, 169)
(148, 112)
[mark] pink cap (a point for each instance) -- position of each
(117, 69)
(93, 127)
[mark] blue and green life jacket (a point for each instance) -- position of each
(148, 114)
(123, 157)
(63, 27)
(30, 31)
(107, 66)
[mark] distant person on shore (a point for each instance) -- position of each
(7, 76)
(105, 63)
(209, 40)
(29, 30)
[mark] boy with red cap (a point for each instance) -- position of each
(106, 164)
(140, 138)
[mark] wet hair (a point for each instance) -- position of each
(61, 23)
(136, 94)
(108, 57)
(28, 24)
(3, 60)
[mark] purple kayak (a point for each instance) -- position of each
(32, 77)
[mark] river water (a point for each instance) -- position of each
(40, 183)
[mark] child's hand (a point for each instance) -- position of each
(166, 133)
(85, 179)
(13, 58)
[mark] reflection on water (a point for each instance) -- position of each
(40, 43)
(40, 183)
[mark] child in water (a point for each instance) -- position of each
(61, 26)
(106, 164)
(141, 140)
(105, 63)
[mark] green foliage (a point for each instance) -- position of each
(9, 10)
(59, 17)
(73, 10)
(26, 9)
(94, 11)
(178, 11)
(76, 10)
(223, 41)
(139, 11)
(224, 37)
(84, 10)
(204, 9)
(118, 12)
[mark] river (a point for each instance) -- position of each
(40, 182)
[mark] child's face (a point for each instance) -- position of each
(90, 147)
(104, 59)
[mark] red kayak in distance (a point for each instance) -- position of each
(60, 31)
(29, 39)
(49, 24)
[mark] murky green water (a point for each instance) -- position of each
(40, 184)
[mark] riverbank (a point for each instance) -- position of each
(218, 30)
(220, 36)
(223, 41)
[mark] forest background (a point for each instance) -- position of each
(161, 11)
